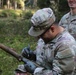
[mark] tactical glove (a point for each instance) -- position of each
(29, 54)
(32, 68)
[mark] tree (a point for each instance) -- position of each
(35, 3)
(54, 4)
(0, 3)
(63, 6)
(44, 3)
(20, 3)
(8, 4)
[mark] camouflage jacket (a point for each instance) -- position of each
(68, 21)
(57, 57)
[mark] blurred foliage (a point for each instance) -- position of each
(16, 13)
(63, 8)
(11, 13)
(21, 3)
(44, 3)
(27, 15)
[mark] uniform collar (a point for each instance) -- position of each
(57, 37)
(71, 17)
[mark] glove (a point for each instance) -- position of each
(30, 67)
(29, 54)
(33, 68)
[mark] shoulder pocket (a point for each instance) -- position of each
(65, 54)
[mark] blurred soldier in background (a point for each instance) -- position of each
(68, 21)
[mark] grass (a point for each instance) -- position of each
(14, 34)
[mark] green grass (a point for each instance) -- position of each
(14, 34)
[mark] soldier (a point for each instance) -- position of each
(21, 70)
(68, 21)
(56, 57)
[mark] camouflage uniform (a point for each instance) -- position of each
(68, 21)
(57, 56)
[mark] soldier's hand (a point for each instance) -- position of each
(33, 68)
(30, 67)
(29, 54)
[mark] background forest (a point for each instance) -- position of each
(14, 24)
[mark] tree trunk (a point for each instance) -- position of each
(54, 5)
(15, 5)
(35, 3)
(0, 3)
(8, 4)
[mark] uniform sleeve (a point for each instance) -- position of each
(63, 63)
(63, 20)
(64, 59)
